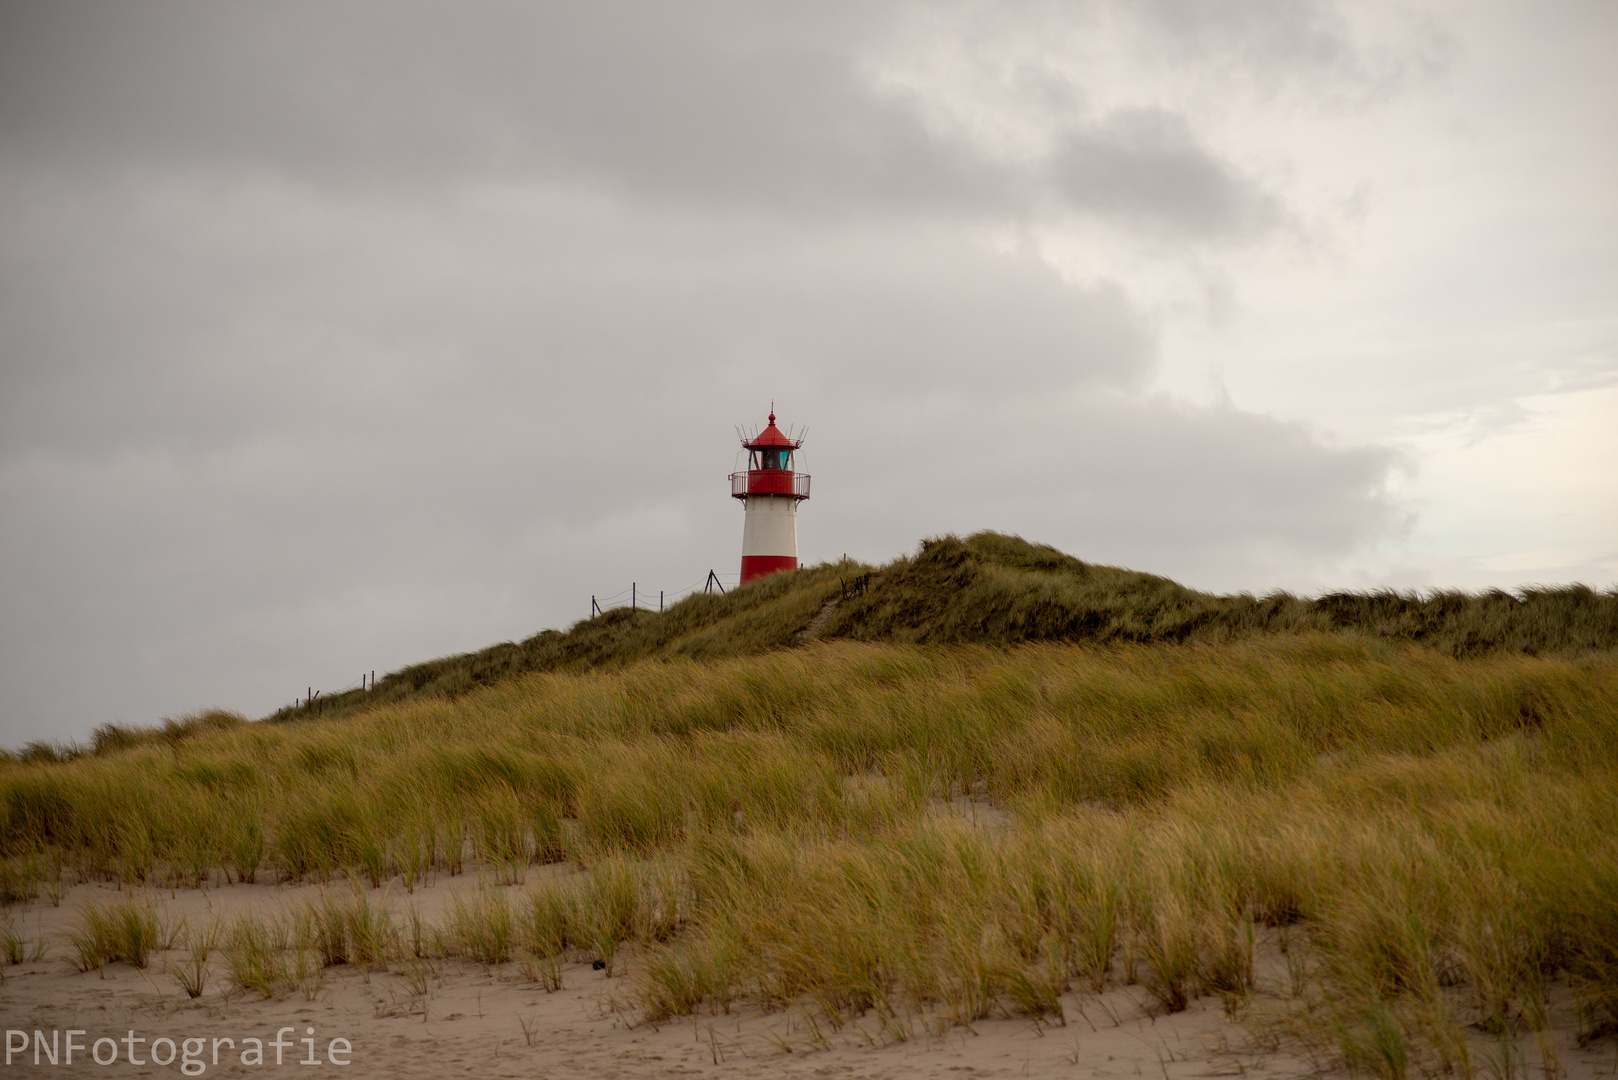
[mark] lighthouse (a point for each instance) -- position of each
(771, 491)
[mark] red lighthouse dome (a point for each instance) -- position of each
(770, 490)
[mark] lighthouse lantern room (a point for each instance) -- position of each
(770, 491)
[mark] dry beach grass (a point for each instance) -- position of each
(1372, 855)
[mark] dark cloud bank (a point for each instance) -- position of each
(337, 336)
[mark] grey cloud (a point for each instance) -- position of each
(706, 101)
(1267, 34)
(1220, 497)
(197, 327)
(723, 106)
(1304, 46)
(1145, 166)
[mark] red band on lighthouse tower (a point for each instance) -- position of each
(754, 566)
(770, 491)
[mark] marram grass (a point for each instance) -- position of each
(923, 834)
(986, 589)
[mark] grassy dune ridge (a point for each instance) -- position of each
(902, 831)
(992, 589)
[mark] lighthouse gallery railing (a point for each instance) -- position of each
(769, 482)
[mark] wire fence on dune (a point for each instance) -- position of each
(634, 598)
(637, 598)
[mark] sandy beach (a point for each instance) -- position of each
(448, 1017)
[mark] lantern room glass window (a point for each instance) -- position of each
(771, 459)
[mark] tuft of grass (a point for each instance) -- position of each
(20, 878)
(243, 840)
(607, 908)
(1167, 946)
(1373, 1042)
(192, 973)
(256, 957)
(546, 971)
(1037, 993)
(413, 852)
(127, 931)
(12, 946)
(549, 924)
(679, 980)
(503, 840)
(481, 929)
(111, 738)
(351, 930)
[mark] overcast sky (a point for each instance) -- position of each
(337, 336)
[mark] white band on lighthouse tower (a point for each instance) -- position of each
(770, 535)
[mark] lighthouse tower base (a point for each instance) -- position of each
(770, 536)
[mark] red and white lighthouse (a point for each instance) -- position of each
(771, 492)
